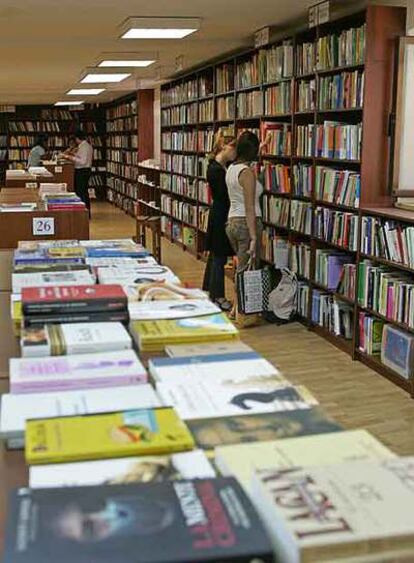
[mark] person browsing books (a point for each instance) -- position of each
(217, 242)
(38, 152)
(83, 166)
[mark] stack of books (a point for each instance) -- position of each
(116, 463)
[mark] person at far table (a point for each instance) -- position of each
(72, 148)
(83, 167)
(38, 152)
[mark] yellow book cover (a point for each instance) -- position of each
(242, 460)
(137, 432)
(66, 252)
(154, 335)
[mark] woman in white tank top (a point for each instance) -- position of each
(244, 227)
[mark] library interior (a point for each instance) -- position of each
(207, 281)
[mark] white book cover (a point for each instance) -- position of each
(110, 243)
(16, 409)
(47, 279)
(120, 262)
(202, 398)
(185, 350)
(80, 371)
(221, 368)
(177, 309)
(74, 338)
(241, 460)
(346, 504)
(143, 469)
(137, 275)
(162, 291)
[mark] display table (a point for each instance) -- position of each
(59, 173)
(62, 173)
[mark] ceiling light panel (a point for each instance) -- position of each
(69, 103)
(96, 78)
(125, 63)
(159, 28)
(85, 91)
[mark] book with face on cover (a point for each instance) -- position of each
(143, 469)
(80, 371)
(77, 338)
(217, 368)
(183, 350)
(67, 299)
(17, 409)
(234, 395)
(178, 309)
(155, 335)
(48, 279)
(335, 512)
(188, 521)
(242, 460)
(137, 275)
(107, 435)
(245, 429)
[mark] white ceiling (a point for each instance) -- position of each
(46, 44)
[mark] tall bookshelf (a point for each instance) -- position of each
(325, 95)
(129, 126)
(19, 129)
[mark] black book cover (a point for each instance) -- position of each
(208, 520)
(34, 321)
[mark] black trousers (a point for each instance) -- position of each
(82, 176)
(214, 276)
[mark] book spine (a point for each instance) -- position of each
(91, 306)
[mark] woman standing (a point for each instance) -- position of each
(217, 242)
(38, 152)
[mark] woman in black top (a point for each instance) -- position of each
(217, 242)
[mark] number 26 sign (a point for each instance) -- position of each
(43, 226)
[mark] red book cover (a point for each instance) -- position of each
(82, 297)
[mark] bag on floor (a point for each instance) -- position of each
(282, 299)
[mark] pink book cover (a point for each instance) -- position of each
(76, 372)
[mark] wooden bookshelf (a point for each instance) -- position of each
(130, 140)
(297, 101)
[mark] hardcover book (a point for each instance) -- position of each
(221, 431)
(80, 371)
(117, 434)
(47, 279)
(397, 351)
(242, 460)
(68, 339)
(177, 309)
(329, 512)
(232, 396)
(183, 350)
(218, 368)
(204, 520)
(155, 335)
(17, 409)
(68, 299)
(143, 469)
(84, 317)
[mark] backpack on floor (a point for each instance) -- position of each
(282, 299)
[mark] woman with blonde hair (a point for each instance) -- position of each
(217, 242)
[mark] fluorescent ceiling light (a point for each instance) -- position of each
(157, 33)
(71, 103)
(159, 28)
(124, 63)
(93, 78)
(85, 91)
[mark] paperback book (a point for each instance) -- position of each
(80, 371)
(221, 431)
(352, 509)
(78, 338)
(242, 460)
(117, 248)
(143, 469)
(48, 279)
(178, 309)
(136, 276)
(155, 335)
(17, 409)
(116, 434)
(203, 520)
(163, 291)
(182, 350)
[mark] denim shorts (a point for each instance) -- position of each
(239, 237)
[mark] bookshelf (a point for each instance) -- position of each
(325, 95)
(19, 129)
(129, 124)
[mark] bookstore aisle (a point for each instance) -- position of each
(352, 394)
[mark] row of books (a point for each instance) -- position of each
(181, 93)
(346, 48)
(125, 170)
(277, 99)
(35, 126)
(342, 187)
(122, 186)
(184, 186)
(285, 213)
(206, 111)
(329, 266)
(125, 109)
(276, 177)
(332, 314)
(225, 108)
(337, 227)
(57, 114)
(57, 141)
(331, 139)
(122, 124)
(306, 95)
(249, 104)
(205, 85)
(282, 253)
(198, 402)
(341, 91)
(122, 156)
(178, 209)
(188, 141)
(122, 201)
(387, 239)
(128, 142)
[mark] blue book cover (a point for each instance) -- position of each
(397, 351)
(115, 253)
